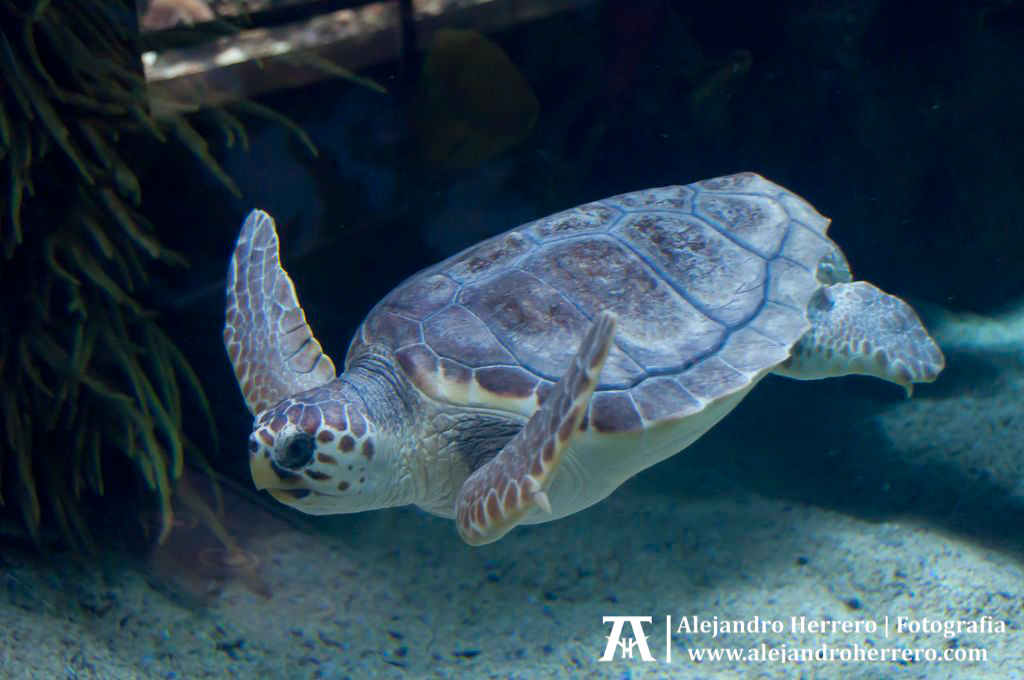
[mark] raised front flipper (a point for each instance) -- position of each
(498, 495)
(270, 344)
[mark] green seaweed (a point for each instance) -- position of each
(87, 374)
(88, 379)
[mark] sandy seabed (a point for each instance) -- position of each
(837, 502)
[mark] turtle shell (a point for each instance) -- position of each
(710, 282)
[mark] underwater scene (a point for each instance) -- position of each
(511, 339)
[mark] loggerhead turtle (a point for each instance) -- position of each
(476, 391)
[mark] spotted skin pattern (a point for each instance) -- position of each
(500, 493)
(336, 440)
(268, 340)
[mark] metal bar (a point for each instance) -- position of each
(258, 61)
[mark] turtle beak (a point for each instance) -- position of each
(281, 496)
(263, 474)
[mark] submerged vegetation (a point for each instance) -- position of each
(88, 377)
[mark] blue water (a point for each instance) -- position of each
(894, 521)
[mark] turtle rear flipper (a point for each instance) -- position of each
(270, 344)
(857, 328)
(498, 495)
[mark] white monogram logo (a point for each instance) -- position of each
(639, 639)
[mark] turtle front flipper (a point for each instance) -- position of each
(498, 495)
(270, 344)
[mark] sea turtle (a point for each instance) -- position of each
(476, 391)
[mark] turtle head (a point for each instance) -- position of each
(314, 445)
(320, 453)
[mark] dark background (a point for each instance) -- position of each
(902, 121)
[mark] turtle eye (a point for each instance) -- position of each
(297, 452)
